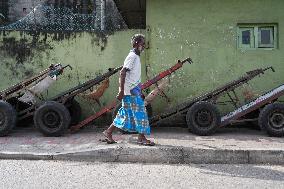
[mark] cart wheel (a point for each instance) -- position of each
(118, 106)
(52, 118)
(75, 112)
(271, 119)
(203, 118)
(8, 118)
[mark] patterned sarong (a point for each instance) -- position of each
(132, 116)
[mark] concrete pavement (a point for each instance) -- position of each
(232, 145)
(25, 174)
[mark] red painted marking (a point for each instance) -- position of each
(93, 117)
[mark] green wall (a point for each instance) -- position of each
(206, 31)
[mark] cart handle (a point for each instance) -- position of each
(269, 68)
(189, 60)
(68, 65)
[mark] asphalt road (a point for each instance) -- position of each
(59, 174)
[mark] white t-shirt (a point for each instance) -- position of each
(133, 75)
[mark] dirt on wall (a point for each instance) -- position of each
(33, 43)
(21, 50)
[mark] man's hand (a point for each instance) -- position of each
(120, 95)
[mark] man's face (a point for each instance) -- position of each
(141, 46)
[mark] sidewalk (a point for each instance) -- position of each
(173, 145)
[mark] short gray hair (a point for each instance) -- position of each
(137, 38)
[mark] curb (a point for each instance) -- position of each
(171, 155)
(22, 156)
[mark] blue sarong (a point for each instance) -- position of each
(132, 116)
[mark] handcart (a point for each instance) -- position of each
(203, 117)
(10, 102)
(53, 116)
(144, 86)
(269, 113)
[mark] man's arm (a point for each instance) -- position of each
(121, 83)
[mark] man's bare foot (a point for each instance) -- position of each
(144, 141)
(108, 137)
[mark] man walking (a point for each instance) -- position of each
(132, 116)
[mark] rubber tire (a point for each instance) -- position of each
(264, 122)
(118, 106)
(8, 118)
(75, 111)
(197, 128)
(57, 109)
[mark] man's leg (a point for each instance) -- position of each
(108, 133)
